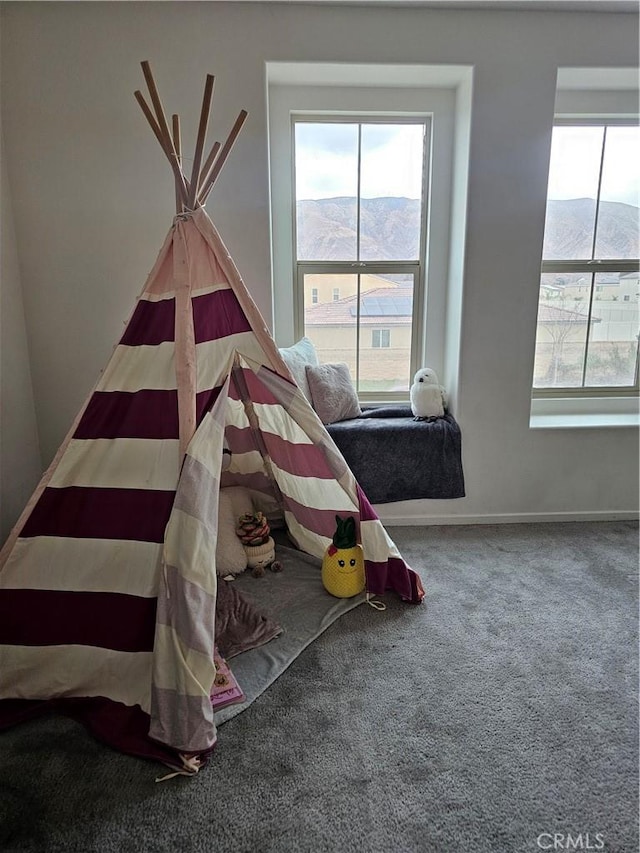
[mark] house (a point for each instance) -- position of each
(322, 288)
(385, 335)
(85, 204)
(629, 287)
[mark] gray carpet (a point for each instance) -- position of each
(498, 713)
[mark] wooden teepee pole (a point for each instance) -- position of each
(208, 165)
(202, 134)
(222, 156)
(177, 144)
(167, 143)
(155, 127)
(194, 192)
(168, 150)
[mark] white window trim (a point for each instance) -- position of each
(581, 412)
(441, 92)
(588, 95)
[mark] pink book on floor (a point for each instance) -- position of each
(226, 690)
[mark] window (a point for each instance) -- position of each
(439, 97)
(360, 213)
(589, 313)
(381, 338)
(314, 295)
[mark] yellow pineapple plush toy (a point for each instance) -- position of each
(343, 563)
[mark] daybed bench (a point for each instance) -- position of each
(395, 458)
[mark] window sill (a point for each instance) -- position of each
(584, 412)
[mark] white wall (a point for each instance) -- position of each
(19, 452)
(93, 198)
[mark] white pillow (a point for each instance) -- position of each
(231, 558)
(297, 357)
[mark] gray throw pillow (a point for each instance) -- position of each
(332, 393)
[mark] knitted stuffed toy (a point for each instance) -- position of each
(253, 530)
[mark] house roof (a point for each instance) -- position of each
(388, 306)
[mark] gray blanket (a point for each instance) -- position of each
(395, 458)
(240, 625)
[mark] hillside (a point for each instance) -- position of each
(390, 229)
(569, 231)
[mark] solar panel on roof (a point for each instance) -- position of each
(384, 306)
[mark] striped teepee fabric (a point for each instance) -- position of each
(108, 583)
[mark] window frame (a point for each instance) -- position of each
(416, 268)
(591, 267)
(382, 338)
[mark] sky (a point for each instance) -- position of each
(327, 157)
(575, 164)
(326, 162)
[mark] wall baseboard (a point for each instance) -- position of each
(404, 520)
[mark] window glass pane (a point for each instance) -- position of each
(326, 167)
(379, 362)
(386, 305)
(331, 325)
(618, 221)
(386, 161)
(563, 316)
(574, 172)
(613, 342)
(391, 191)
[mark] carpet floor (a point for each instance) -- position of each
(500, 715)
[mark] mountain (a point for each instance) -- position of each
(390, 229)
(569, 229)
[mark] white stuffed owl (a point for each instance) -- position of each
(428, 397)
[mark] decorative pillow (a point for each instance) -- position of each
(332, 393)
(231, 558)
(297, 357)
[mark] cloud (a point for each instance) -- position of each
(575, 164)
(327, 160)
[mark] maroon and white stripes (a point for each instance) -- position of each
(108, 584)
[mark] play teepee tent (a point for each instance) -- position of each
(108, 581)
